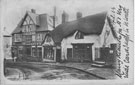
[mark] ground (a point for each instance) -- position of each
(59, 71)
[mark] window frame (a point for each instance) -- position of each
(79, 35)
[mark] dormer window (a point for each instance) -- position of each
(79, 35)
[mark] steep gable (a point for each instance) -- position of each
(48, 41)
(108, 35)
(43, 22)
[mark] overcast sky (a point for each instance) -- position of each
(14, 10)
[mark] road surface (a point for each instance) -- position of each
(31, 71)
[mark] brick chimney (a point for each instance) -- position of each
(78, 15)
(65, 17)
(33, 10)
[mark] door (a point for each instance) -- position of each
(69, 54)
(27, 50)
(82, 52)
(39, 52)
(104, 54)
(48, 53)
(58, 55)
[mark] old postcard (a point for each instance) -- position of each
(56, 42)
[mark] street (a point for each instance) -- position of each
(43, 71)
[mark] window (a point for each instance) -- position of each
(28, 38)
(33, 27)
(33, 52)
(33, 38)
(18, 37)
(79, 35)
(39, 37)
(38, 51)
(48, 53)
(48, 39)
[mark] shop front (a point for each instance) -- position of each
(49, 54)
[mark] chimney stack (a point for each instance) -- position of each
(65, 17)
(33, 10)
(78, 15)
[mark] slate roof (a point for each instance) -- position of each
(92, 24)
(41, 21)
(18, 28)
(35, 17)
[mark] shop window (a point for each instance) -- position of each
(38, 51)
(49, 53)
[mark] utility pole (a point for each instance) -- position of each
(36, 41)
(54, 17)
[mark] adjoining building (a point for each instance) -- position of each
(29, 34)
(86, 39)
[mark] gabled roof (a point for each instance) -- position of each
(18, 28)
(41, 21)
(92, 24)
(34, 17)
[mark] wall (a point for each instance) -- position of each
(98, 40)
(109, 39)
(7, 41)
(66, 43)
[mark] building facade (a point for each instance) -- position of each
(29, 34)
(83, 40)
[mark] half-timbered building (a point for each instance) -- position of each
(29, 34)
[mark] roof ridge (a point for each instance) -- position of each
(92, 24)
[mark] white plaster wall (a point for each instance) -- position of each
(67, 43)
(110, 39)
(7, 51)
(98, 41)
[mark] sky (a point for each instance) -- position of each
(14, 10)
